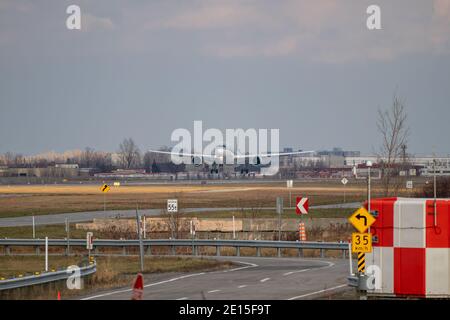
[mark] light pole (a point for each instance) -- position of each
(369, 165)
(434, 191)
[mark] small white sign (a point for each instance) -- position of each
(344, 181)
(290, 183)
(116, 184)
(172, 205)
(409, 184)
(89, 241)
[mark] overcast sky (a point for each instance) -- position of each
(144, 68)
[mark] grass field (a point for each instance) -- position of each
(36, 200)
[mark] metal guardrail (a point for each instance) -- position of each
(353, 281)
(173, 243)
(180, 242)
(44, 277)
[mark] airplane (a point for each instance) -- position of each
(222, 156)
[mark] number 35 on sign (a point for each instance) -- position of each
(361, 242)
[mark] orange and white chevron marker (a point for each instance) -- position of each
(301, 231)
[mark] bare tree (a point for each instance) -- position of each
(129, 153)
(394, 131)
(88, 157)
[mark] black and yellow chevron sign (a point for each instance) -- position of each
(105, 188)
(361, 262)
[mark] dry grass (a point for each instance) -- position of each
(111, 272)
(28, 200)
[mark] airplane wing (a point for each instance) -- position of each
(276, 154)
(183, 154)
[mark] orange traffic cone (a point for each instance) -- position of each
(138, 287)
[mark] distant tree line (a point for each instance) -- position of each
(128, 156)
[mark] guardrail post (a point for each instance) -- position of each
(218, 251)
(279, 252)
(300, 253)
(322, 253)
(238, 251)
(7, 250)
(149, 250)
(343, 254)
(258, 252)
(124, 250)
(174, 251)
(38, 250)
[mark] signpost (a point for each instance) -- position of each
(105, 188)
(172, 205)
(68, 235)
(89, 243)
(302, 205)
(344, 181)
(361, 219)
(409, 184)
(279, 211)
(34, 229)
(289, 185)
(46, 254)
(141, 245)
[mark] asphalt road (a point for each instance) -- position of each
(60, 218)
(252, 279)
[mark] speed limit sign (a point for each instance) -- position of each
(172, 205)
(362, 242)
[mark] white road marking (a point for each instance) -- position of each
(330, 264)
(212, 291)
(148, 285)
(243, 286)
(317, 292)
(248, 265)
(292, 272)
(264, 280)
(184, 298)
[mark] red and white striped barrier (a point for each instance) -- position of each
(409, 248)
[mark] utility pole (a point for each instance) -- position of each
(234, 229)
(46, 254)
(434, 187)
(68, 235)
(279, 211)
(34, 229)
(141, 245)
